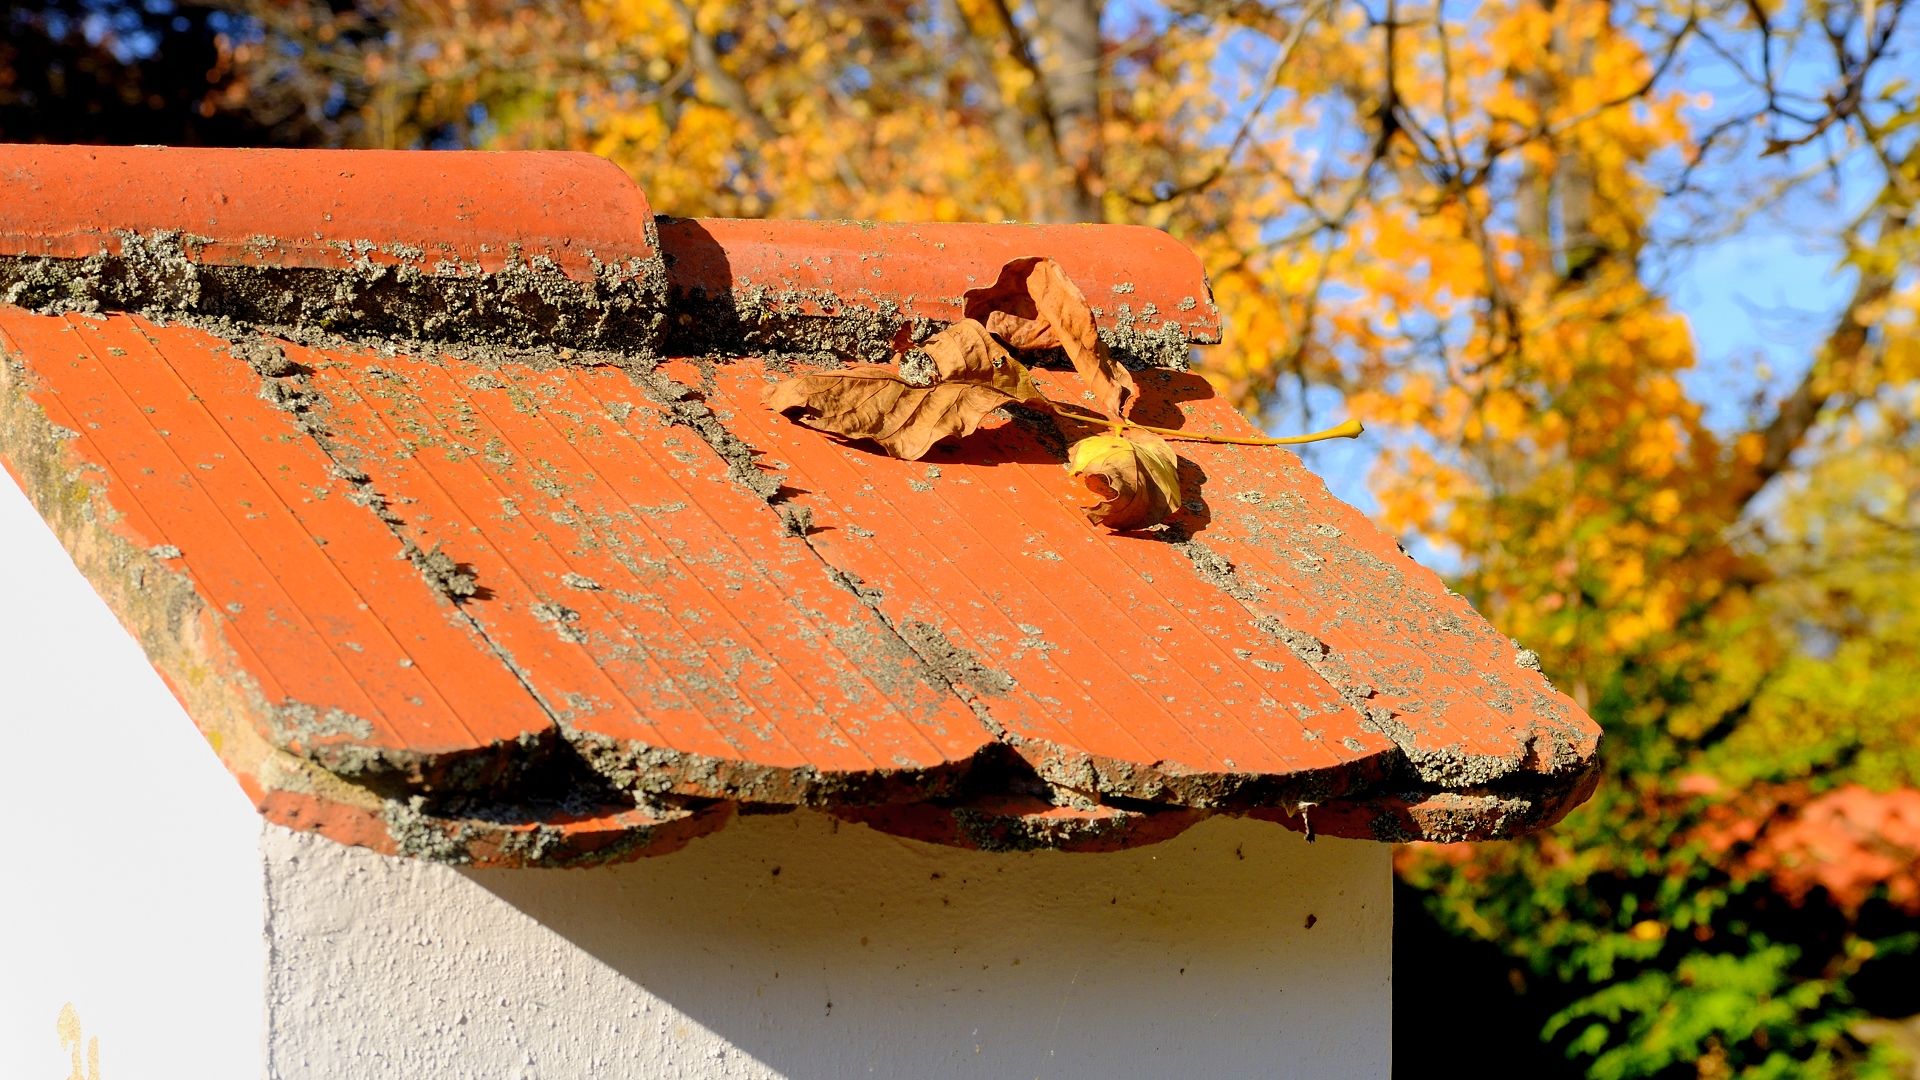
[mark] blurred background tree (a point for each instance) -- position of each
(84, 71)
(1462, 222)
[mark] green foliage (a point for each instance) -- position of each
(1775, 1025)
(1651, 897)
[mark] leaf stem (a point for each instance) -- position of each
(1349, 429)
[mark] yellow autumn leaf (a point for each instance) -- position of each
(1137, 477)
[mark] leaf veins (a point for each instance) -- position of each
(974, 376)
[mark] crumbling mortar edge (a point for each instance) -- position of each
(1431, 772)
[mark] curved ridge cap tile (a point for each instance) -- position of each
(1136, 278)
(457, 211)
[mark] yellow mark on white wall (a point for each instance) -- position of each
(69, 1027)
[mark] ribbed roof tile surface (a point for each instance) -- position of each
(536, 579)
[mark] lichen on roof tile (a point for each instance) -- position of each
(464, 535)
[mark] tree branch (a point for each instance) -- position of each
(1010, 127)
(729, 91)
(1270, 84)
(1845, 348)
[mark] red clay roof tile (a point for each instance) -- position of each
(1135, 277)
(461, 562)
(327, 209)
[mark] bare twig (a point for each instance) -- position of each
(1269, 84)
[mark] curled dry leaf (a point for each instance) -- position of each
(1021, 333)
(1035, 289)
(1136, 476)
(974, 375)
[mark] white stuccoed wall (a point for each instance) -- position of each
(781, 947)
(131, 884)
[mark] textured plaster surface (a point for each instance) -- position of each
(133, 887)
(789, 946)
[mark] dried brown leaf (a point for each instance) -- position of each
(966, 352)
(1136, 476)
(1036, 289)
(974, 376)
(1008, 293)
(1021, 333)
